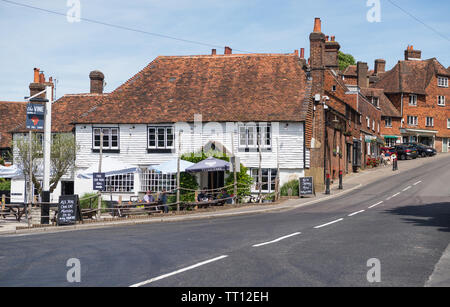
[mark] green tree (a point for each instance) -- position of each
(345, 60)
(62, 159)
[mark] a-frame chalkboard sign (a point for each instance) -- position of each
(68, 210)
(306, 187)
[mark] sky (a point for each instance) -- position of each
(69, 51)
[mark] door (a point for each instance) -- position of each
(216, 180)
(67, 188)
(445, 145)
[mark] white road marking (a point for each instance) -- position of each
(355, 213)
(406, 189)
(277, 240)
(417, 183)
(395, 195)
(177, 272)
(327, 224)
(377, 204)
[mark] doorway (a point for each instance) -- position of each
(67, 188)
(216, 180)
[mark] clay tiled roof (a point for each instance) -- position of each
(249, 87)
(11, 113)
(350, 71)
(411, 76)
(68, 109)
(386, 106)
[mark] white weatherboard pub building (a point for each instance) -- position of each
(192, 103)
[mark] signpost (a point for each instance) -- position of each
(99, 180)
(306, 186)
(68, 210)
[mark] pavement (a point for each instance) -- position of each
(400, 219)
(351, 182)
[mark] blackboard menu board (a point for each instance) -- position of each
(68, 210)
(306, 186)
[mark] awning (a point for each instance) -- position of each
(391, 137)
(209, 165)
(9, 171)
(418, 132)
(171, 167)
(111, 167)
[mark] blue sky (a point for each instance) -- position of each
(69, 51)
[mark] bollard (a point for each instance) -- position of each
(341, 185)
(327, 191)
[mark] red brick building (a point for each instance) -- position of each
(419, 91)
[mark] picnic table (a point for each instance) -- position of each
(203, 204)
(123, 210)
(17, 210)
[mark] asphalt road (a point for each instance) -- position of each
(405, 225)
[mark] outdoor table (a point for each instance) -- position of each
(204, 204)
(127, 209)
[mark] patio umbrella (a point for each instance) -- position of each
(111, 167)
(209, 165)
(9, 172)
(171, 167)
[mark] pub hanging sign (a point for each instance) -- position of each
(35, 116)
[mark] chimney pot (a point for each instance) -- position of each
(411, 54)
(333, 38)
(228, 50)
(296, 53)
(36, 75)
(41, 78)
(302, 53)
(214, 52)
(327, 37)
(317, 25)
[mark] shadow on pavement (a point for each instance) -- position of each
(431, 215)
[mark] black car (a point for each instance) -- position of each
(405, 152)
(423, 150)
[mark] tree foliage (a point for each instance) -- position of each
(345, 60)
(62, 159)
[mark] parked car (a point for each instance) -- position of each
(423, 150)
(405, 152)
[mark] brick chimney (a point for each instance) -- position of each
(302, 53)
(39, 84)
(97, 82)
(362, 71)
(332, 54)
(380, 66)
(214, 52)
(411, 54)
(317, 124)
(228, 51)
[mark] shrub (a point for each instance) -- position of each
(294, 185)
(86, 202)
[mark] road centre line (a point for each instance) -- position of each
(406, 189)
(355, 213)
(177, 272)
(373, 206)
(327, 224)
(395, 195)
(277, 240)
(417, 183)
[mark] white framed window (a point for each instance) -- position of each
(368, 122)
(413, 100)
(157, 182)
(442, 81)
(376, 101)
(448, 123)
(378, 128)
(388, 122)
(441, 100)
(120, 183)
(268, 179)
(110, 138)
(373, 125)
(248, 136)
(160, 137)
(430, 122)
(413, 120)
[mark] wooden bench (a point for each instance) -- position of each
(14, 210)
(136, 209)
